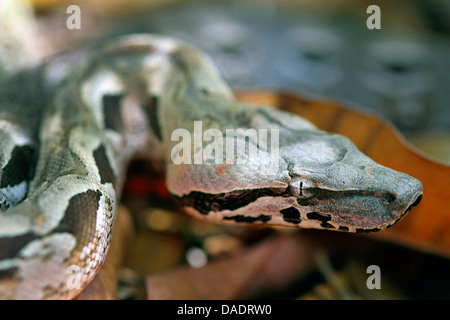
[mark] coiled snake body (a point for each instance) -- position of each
(69, 127)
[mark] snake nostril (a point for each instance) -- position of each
(391, 197)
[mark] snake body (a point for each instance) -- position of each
(69, 127)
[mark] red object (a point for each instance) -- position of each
(144, 186)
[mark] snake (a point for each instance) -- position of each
(70, 126)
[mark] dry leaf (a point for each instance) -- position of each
(268, 266)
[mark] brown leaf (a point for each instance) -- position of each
(270, 265)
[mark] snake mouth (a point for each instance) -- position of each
(416, 202)
(360, 213)
(413, 204)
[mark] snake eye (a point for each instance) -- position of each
(302, 187)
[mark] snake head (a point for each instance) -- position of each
(338, 187)
(320, 180)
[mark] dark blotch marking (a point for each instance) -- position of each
(397, 67)
(343, 228)
(206, 202)
(358, 230)
(62, 162)
(151, 109)
(80, 216)
(7, 274)
(103, 165)
(324, 218)
(317, 216)
(10, 246)
(111, 110)
(18, 167)
(327, 225)
(291, 215)
(204, 92)
(242, 218)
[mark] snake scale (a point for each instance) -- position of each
(70, 126)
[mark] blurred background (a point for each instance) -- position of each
(323, 48)
(318, 48)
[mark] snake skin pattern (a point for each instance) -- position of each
(69, 127)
